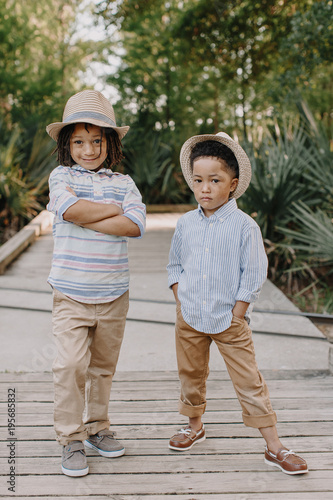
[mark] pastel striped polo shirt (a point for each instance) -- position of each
(87, 265)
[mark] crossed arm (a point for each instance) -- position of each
(101, 217)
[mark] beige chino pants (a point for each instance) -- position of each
(88, 338)
(236, 346)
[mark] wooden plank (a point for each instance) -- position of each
(322, 382)
(149, 447)
(160, 464)
(160, 418)
(171, 406)
(155, 391)
(280, 386)
(171, 375)
(221, 404)
(152, 431)
(10, 250)
(304, 404)
(229, 464)
(139, 484)
(179, 496)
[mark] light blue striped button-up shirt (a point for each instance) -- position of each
(216, 261)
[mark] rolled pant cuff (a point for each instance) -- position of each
(191, 411)
(65, 440)
(95, 427)
(258, 421)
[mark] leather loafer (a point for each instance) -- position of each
(287, 461)
(186, 438)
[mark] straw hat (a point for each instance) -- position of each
(241, 157)
(88, 106)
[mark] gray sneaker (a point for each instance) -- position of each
(74, 460)
(105, 444)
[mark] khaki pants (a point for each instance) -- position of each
(88, 338)
(236, 346)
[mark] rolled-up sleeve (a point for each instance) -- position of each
(133, 207)
(253, 263)
(174, 266)
(60, 198)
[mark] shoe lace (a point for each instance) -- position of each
(289, 452)
(105, 433)
(186, 432)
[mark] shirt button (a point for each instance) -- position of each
(204, 276)
(210, 225)
(204, 302)
(207, 249)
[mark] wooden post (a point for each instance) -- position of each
(329, 335)
(330, 358)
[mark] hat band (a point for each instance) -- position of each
(88, 114)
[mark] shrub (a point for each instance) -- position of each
(149, 161)
(23, 179)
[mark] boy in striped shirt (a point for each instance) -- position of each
(96, 210)
(216, 269)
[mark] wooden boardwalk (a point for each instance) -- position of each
(228, 465)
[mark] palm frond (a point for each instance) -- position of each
(313, 238)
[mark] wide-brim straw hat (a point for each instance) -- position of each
(87, 106)
(244, 163)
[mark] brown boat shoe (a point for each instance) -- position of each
(287, 461)
(186, 438)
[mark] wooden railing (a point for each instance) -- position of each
(10, 250)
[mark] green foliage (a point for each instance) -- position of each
(15, 198)
(41, 56)
(149, 162)
(280, 165)
(150, 77)
(315, 298)
(199, 66)
(22, 190)
(319, 173)
(309, 41)
(304, 66)
(310, 247)
(291, 197)
(312, 237)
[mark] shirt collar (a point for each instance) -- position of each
(223, 212)
(102, 170)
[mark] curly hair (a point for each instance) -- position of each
(215, 149)
(113, 143)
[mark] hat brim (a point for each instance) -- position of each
(244, 163)
(54, 128)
